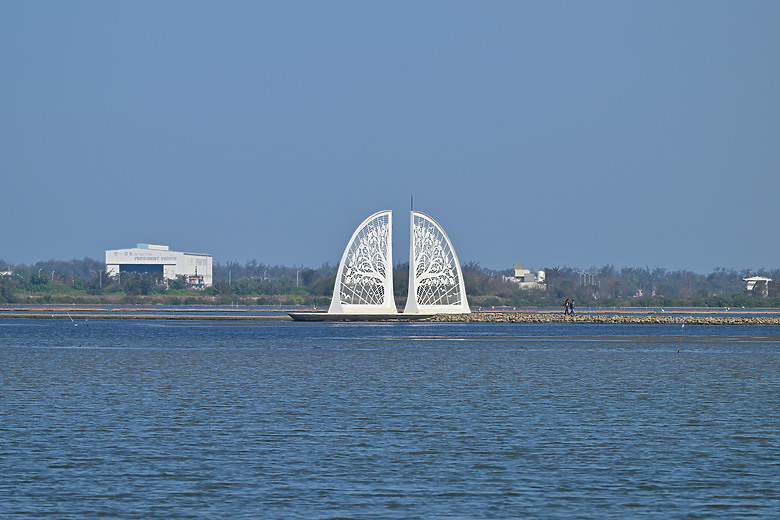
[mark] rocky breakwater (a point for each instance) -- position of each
(612, 319)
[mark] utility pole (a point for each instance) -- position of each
(100, 276)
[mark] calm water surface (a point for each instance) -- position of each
(134, 419)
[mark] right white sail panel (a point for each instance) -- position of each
(435, 278)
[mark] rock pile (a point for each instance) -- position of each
(633, 319)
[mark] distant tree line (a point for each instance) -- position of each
(645, 287)
(86, 280)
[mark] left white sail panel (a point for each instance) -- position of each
(364, 281)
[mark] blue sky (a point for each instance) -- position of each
(545, 133)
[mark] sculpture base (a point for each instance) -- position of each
(325, 316)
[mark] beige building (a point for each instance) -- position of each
(160, 260)
(526, 279)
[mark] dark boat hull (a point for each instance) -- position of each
(324, 316)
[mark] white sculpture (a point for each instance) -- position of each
(364, 281)
(435, 278)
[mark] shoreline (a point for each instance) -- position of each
(136, 316)
(281, 315)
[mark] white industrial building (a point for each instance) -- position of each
(160, 260)
(525, 279)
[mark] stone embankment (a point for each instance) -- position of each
(637, 319)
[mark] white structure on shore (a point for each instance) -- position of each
(364, 280)
(760, 281)
(160, 260)
(525, 279)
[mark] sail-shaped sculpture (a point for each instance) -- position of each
(364, 281)
(435, 278)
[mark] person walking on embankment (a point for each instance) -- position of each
(566, 307)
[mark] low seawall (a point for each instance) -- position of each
(627, 319)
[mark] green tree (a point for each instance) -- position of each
(135, 284)
(178, 283)
(400, 281)
(7, 290)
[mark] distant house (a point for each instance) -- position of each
(761, 282)
(526, 279)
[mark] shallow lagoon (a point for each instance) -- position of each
(149, 419)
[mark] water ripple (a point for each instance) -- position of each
(387, 422)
